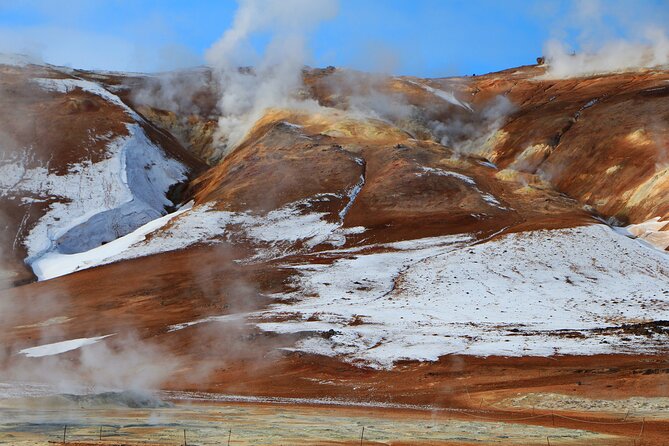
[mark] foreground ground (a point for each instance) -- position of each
(303, 399)
(209, 423)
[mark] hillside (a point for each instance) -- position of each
(390, 239)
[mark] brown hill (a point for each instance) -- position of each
(434, 242)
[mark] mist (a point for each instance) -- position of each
(619, 55)
(467, 133)
(121, 362)
(175, 91)
(251, 83)
(643, 41)
(40, 316)
(366, 95)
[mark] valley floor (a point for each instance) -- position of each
(208, 423)
(304, 399)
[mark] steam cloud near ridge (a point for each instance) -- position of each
(276, 76)
(646, 44)
(247, 84)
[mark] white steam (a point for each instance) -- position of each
(174, 91)
(642, 41)
(619, 55)
(124, 363)
(467, 133)
(251, 83)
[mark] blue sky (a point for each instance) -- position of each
(427, 38)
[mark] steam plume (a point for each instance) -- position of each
(645, 44)
(276, 76)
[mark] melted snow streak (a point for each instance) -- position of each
(237, 318)
(488, 198)
(536, 293)
(444, 95)
(352, 195)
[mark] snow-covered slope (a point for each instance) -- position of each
(275, 234)
(532, 293)
(376, 244)
(65, 86)
(76, 198)
(654, 231)
(96, 202)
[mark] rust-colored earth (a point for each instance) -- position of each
(569, 151)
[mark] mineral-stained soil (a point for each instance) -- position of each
(563, 154)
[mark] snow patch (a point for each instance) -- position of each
(445, 173)
(534, 293)
(60, 347)
(65, 86)
(237, 317)
(488, 164)
(275, 234)
(291, 125)
(94, 203)
(54, 264)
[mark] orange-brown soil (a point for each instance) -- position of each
(147, 295)
(603, 155)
